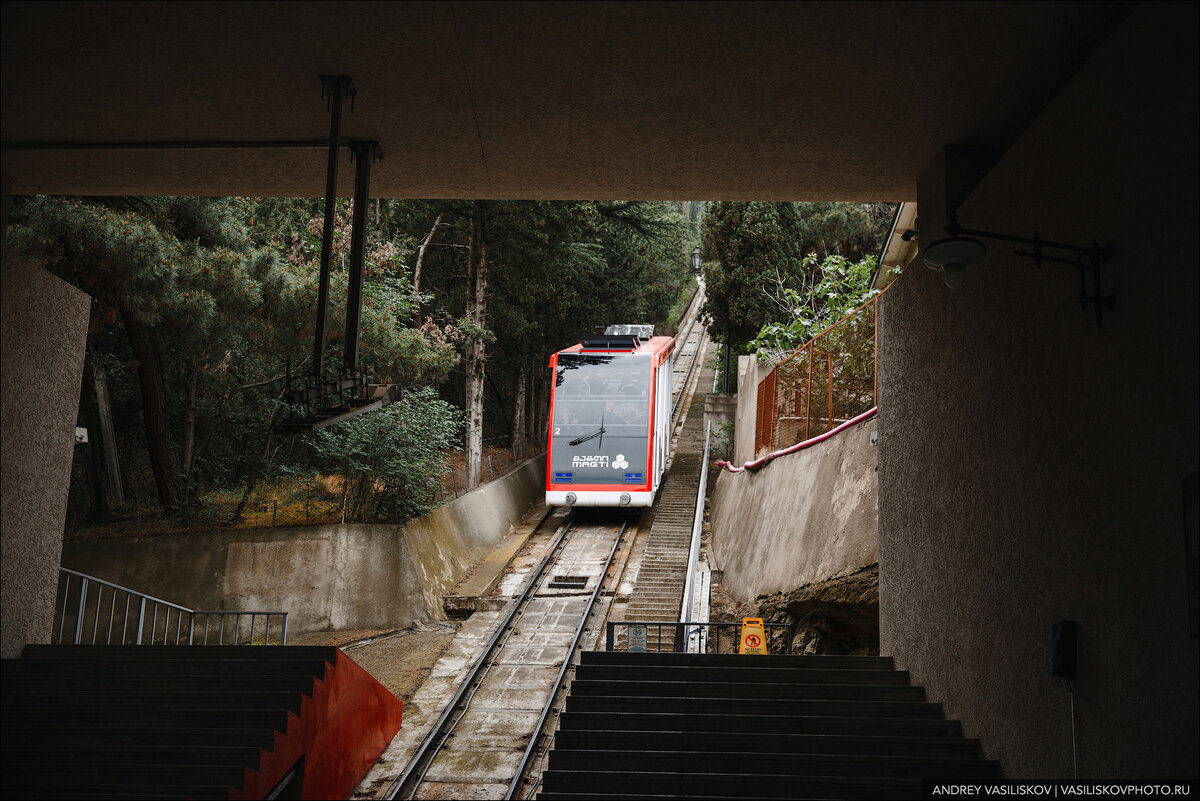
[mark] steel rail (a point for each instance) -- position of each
(559, 682)
(692, 366)
(477, 670)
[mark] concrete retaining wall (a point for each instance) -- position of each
(356, 576)
(804, 517)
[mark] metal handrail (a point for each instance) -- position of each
(682, 631)
(144, 603)
(689, 587)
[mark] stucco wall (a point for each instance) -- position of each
(326, 577)
(743, 434)
(804, 517)
(1030, 464)
(39, 402)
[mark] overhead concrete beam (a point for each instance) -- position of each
(761, 101)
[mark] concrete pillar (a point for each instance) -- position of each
(43, 333)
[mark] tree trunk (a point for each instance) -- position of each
(421, 260)
(473, 364)
(519, 435)
(89, 413)
(109, 440)
(189, 441)
(543, 409)
(163, 461)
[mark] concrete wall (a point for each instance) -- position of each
(720, 416)
(326, 577)
(747, 409)
(804, 517)
(1030, 464)
(39, 402)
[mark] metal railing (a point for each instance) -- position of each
(830, 379)
(118, 615)
(689, 587)
(714, 638)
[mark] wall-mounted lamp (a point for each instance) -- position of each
(696, 259)
(961, 248)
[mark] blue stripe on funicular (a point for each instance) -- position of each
(562, 478)
(633, 478)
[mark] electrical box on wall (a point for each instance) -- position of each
(1064, 642)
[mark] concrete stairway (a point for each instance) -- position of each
(661, 575)
(658, 592)
(170, 721)
(667, 725)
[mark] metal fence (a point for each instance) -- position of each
(713, 638)
(92, 611)
(830, 380)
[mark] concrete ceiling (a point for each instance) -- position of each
(771, 101)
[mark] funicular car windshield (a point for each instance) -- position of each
(601, 418)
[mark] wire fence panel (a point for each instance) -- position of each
(819, 386)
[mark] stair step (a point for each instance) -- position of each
(789, 690)
(763, 724)
(38, 790)
(190, 652)
(758, 743)
(152, 700)
(683, 762)
(747, 675)
(164, 718)
(140, 736)
(882, 663)
(33, 752)
(754, 706)
(162, 666)
(164, 683)
(611, 784)
(67, 775)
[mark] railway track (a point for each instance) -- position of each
(484, 740)
(490, 736)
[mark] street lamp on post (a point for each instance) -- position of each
(696, 259)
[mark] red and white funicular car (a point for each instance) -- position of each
(610, 412)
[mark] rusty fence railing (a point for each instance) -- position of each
(824, 383)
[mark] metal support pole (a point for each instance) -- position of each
(829, 366)
(725, 372)
(335, 88)
(141, 620)
(808, 392)
(81, 612)
(364, 153)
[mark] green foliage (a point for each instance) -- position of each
(213, 299)
(754, 251)
(216, 319)
(391, 462)
(840, 287)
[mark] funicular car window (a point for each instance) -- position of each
(601, 417)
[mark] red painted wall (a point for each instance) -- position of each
(340, 731)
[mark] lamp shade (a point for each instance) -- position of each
(959, 250)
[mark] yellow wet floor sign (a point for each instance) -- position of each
(754, 638)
